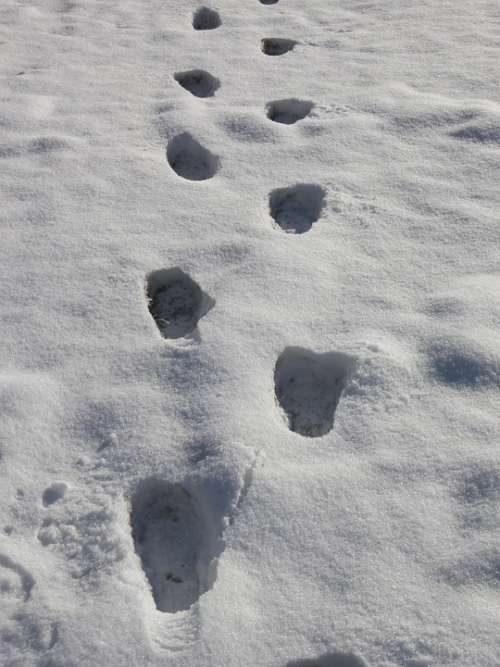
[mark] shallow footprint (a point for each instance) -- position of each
(172, 540)
(276, 46)
(308, 387)
(190, 160)
(56, 491)
(330, 660)
(463, 364)
(16, 583)
(176, 302)
(289, 111)
(206, 19)
(296, 208)
(198, 82)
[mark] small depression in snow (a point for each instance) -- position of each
(175, 543)
(308, 387)
(277, 46)
(289, 111)
(206, 19)
(198, 82)
(330, 660)
(296, 208)
(190, 160)
(176, 302)
(56, 491)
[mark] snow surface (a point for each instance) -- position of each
(331, 213)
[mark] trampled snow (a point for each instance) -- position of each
(250, 313)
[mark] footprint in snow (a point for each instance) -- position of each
(308, 387)
(288, 111)
(190, 160)
(16, 583)
(461, 363)
(330, 660)
(176, 302)
(295, 209)
(56, 491)
(276, 46)
(198, 82)
(174, 543)
(206, 19)
(268, 2)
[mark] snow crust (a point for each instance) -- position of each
(322, 180)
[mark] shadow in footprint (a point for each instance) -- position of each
(190, 160)
(296, 208)
(276, 46)
(56, 491)
(478, 134)
(459, 363)
(330, 660)
(176, 302)
(308, 387)
(289, 111)
(268, 2)
(206, 19)
(198, 82)
(176, 544)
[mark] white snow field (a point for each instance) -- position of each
(250, 350)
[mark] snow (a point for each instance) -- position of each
(250, 302)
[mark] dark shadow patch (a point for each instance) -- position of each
(476, 569)
(308, 387)
(330, 660)
(190, 160)
(487, 134)
(176, 302)
(289, 111)
(198, 82)
(268, 2)
(175, 543)
(56, 491)
(206, 19)
(297, 208)
(458, 363)
(277, 46)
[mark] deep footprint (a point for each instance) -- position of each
(176, 302)
(206, 19)
(308, 387)
(297, 208)
(190, 160)
(173, 542)
(198, 82)
(276, 46)
(289, 111)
